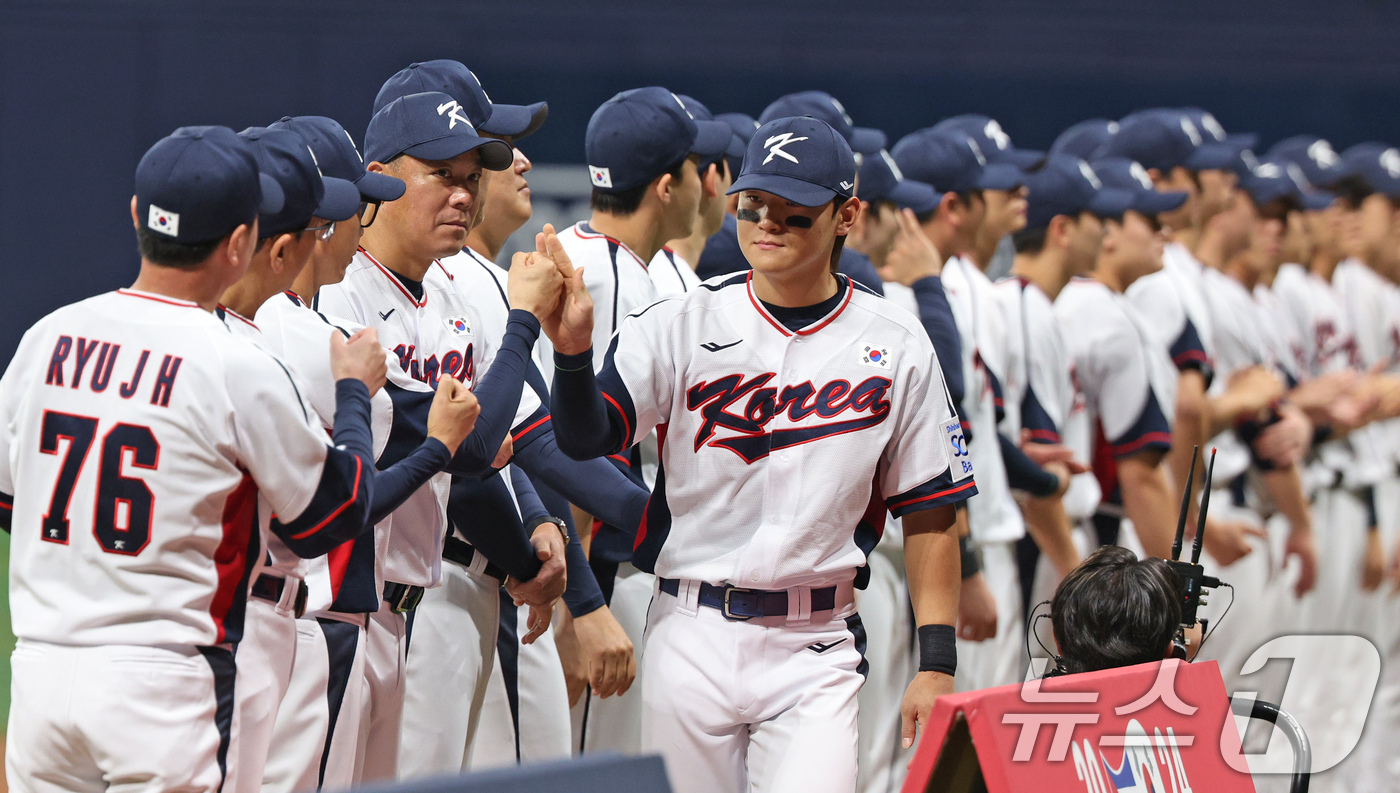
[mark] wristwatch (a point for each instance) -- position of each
(560, 524)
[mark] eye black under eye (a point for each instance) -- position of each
(747, 214)
(799, 221)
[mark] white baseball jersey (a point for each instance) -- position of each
(778, 444)
(1038, 391)
(348, 578)
(1172, 305)
(617, 280)
(1280, 330)
(1328, 345)
(280, 561)
(1370, 303)
(992, 513)
(436, 334)
(671, 274)
(1124, 374)
(1240, 341)
(137, 434)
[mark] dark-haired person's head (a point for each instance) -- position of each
(644, 149)
(796, 198)
(198, 195)
(1115, 610)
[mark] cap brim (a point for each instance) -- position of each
(1025, 159)
(712, 139)
(1242, 140)
(272, 196)
(1151, 202)
(917, 196)
(380, 187)
(1212, 156)
(795, 190)
(1111, 202)
(1001, 176)
(516, 121)
(496, 155)
(866, 140)
(341, 200)
(737, 147)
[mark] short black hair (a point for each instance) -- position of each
(1029, 240)
(1115, 610)
(626, 202)
(1352, 190)
(159, 249)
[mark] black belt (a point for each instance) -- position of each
(270, 588)
(402, 598)
(737, 603)
(463, 553)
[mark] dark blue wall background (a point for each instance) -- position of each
(86, 86)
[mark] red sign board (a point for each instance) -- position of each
(1154, 728)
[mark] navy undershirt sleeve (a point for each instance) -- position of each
(531, 507)
(1023, 473)
(582, 595)
(395, 484)
(937, 318)
(483, 511)
(583, 425)
(499, 394)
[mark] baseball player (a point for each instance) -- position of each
(1061, 241)
(127, 670)
(394, 284)
(672, 270)
(753, 659)
(721, 253)
(439, 733)
(643, 148)
(1125, 379)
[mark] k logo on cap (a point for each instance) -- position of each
(454, 113)
(775, 145)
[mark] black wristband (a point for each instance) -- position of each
(938, 649)
(970, 565)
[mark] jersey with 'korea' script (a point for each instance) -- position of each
(439, 333)
(781, 450)
(137, 434)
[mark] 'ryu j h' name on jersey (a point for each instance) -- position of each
(771, 439)
(137, 433)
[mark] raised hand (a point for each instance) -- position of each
(534, 284)
(571, 326)
(452, 416)
(359, 358)
(912, 257)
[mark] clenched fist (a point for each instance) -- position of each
(452, 416)
(359, 358)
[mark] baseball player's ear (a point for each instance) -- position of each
(376, 166)
(134, 221)
(846, 215)
(709, 180)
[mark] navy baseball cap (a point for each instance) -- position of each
(820, 104)
(744, 126)
(284, 155)
(881, 180)
(1124, 174)
(453, 78)
(638, 134)
(804, 160)
(1377, 164)
(200, 183)
(1084, 138)
(338, 158)
(1320, 163)
(1212, 132)
(1164, 139)
(950, 161)
(699, 112)
(995, 144)
(431, 126)
(1271, 181)
(1066, 185)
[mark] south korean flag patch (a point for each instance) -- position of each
(601, 177)
(458, 325)
(878, 357)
